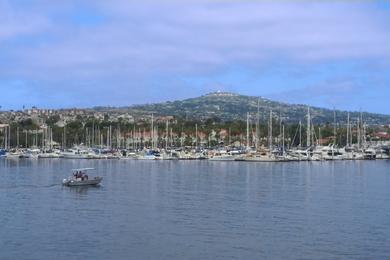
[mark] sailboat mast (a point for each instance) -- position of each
(93, 133)
(348, 133)
(166, 135)
(283, 139)
(270, 130)
(107, 137)
(17, 137)
(300, 133)
(308, 128)
(319, 135)
(64, 143)
(9, 137)
(43, 143)
(334, 126)
(363, 130)
(171, 141)
(152, 133)
(196, 136)
(247, 130)
(5, 137)
(280, 128)
(257, 125)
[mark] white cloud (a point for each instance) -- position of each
(141, 40)
(16, 23)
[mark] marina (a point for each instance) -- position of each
(348, 142)
(319, 153)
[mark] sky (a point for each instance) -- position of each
(84, 53)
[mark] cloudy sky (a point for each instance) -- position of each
(84, 53)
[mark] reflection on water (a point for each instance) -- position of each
(195, 210)
(82, 190)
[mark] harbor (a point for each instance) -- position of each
(159, 139)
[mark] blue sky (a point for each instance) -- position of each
(121, 52)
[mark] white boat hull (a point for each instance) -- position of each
(222, 158)
(74, 182)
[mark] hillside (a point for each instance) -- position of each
(229, 106)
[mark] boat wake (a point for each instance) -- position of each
(29, 186)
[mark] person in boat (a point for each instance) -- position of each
(83, 176)
(79, 175)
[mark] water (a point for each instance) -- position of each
(196, 210)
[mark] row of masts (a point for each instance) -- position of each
(42, 138)
(114, 138)
(310, 131)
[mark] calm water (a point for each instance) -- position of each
(196, 210)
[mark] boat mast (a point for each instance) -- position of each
(283, 139)
(155, 136)
(166, 135)
(334, 126)
(319, 135)
(348, 140)
(350, 134)
(5, 137)
(171, 141)
(64, 142)
(181, 137)
(133, 137)
(143, 138)
(280, 128)
(86, 139)
(9, 137)
(308, 128)
(363, 130)
(300, 133)
(358, 131)
(111, 137)
(93, 133)
(152, 133)
(43, 143)
(108, 138)
(270, 131)
(258, 125)
(196, 136)
(247, 130)
(118, 138)
(17, 137)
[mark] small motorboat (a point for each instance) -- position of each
(80, 178)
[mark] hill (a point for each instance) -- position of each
(230, 106)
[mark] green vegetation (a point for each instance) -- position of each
(231, 107)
